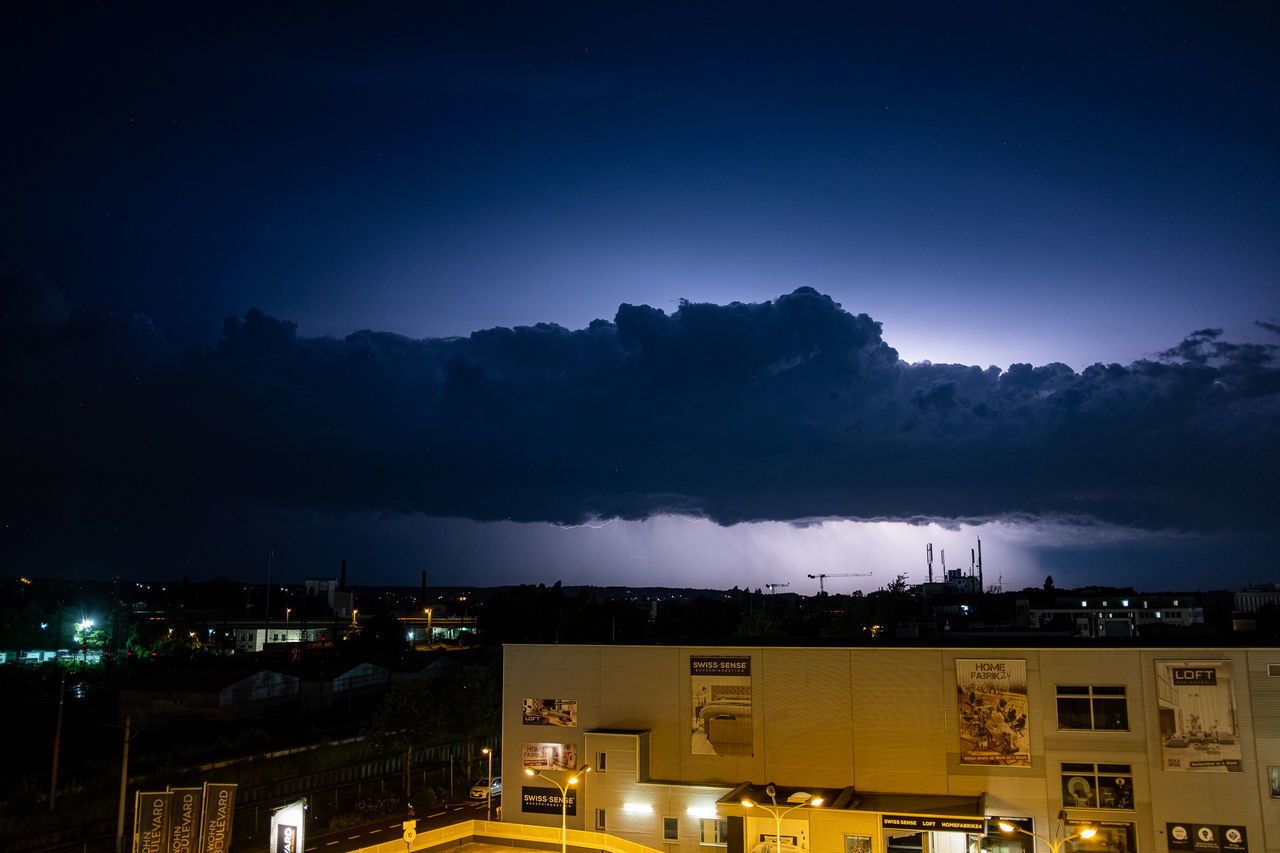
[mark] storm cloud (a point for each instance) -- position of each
(791, 409)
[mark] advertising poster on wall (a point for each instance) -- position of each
(992, 699)
(549, 756)
(1206, 838)
(1197, 710)
(721, 705)
(551, 712)
(184, 820)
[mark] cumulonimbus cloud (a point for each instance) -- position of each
(784, 410)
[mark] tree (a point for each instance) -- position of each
(473, 703)
(409, 715)
(416, 713)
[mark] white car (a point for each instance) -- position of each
(487, 788)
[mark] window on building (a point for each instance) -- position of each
(1112, 837)
(1092, 708)
(1097, 786)
(600, 823)
(670, 829)
(715, 831)
(857, 844)
(1273, 773)
(599, 764)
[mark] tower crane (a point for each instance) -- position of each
(822, 576)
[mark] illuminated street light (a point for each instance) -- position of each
(802, 799)
(564, 799)
(488, 797)
(1054, 846)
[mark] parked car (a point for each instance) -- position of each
(487, 788)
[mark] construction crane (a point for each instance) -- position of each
(822, 576)
(776, 586)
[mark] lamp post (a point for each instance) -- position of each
(1054, 846)
(564, 799)
(779, 812)
(488, 797)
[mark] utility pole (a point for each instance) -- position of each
(57, 741)
(124, 787)
(266, 629)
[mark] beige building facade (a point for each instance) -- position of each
(912, 750)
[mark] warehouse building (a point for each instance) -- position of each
(897, 750)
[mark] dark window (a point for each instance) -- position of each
(1092, 708)
(670, 829)
(1097, 786)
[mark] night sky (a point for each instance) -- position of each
(687, 294)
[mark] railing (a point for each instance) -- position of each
(520, 834)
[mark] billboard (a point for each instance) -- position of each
(288, 830)
(551, 712)
(992, 706)
(549, 756)
(721, 687)
(217, 813)
(1196, 706)
(1206, 838)
(151, 821)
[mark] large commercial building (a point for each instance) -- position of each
(912, 750)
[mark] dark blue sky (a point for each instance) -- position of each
(992, 184)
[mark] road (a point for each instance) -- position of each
(380, 831)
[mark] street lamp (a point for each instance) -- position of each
(488, 797)
(1054, 846)
(564, 799)
(801, 799)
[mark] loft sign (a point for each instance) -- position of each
(933, 824)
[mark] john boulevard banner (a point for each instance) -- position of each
(184, 820)
(217, 815)
(151, 821)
